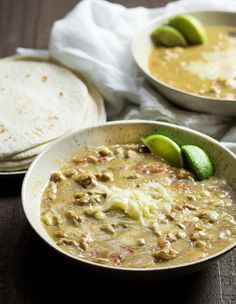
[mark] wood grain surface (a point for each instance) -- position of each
(30, 271)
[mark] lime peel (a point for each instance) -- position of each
(190, 27)
(181, 30)
(165, 148)
(168, 36)
(198, 162)
(195, 158)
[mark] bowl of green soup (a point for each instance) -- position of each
(139, 198)
(189, 58)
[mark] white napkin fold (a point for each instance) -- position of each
(95, 38)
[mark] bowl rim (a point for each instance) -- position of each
(162, 18)
(117, 268)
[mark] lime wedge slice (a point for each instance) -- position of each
(198, 162)
(190, 27)
(168, 36)
(165, 148)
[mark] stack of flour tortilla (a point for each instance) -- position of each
(40, 101)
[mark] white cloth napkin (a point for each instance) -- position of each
(95, 39)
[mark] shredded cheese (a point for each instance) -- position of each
(145, 205)
(216, 64)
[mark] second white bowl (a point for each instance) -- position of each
(142, 46)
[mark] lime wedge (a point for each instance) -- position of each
(190, 27)
(165, 148)
(198, 162)
(168, 36)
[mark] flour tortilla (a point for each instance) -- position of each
(14, 169)
(26, 154)
(30, 154)
(98, 115)
(41, 101)
(94, 112)
(16, 164)
(28, 122)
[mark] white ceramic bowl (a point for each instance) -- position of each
(142, 46)
(112, 133)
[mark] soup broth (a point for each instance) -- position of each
(208, 69)
(120, 205)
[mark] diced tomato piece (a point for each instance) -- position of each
(157, 168)
(79, 161)
(163, 243)
(131, 250)
(179, 208)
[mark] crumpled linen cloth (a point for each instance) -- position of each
(95, 38)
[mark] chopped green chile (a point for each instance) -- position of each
(120, 205)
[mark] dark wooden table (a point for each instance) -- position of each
(30, 271)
